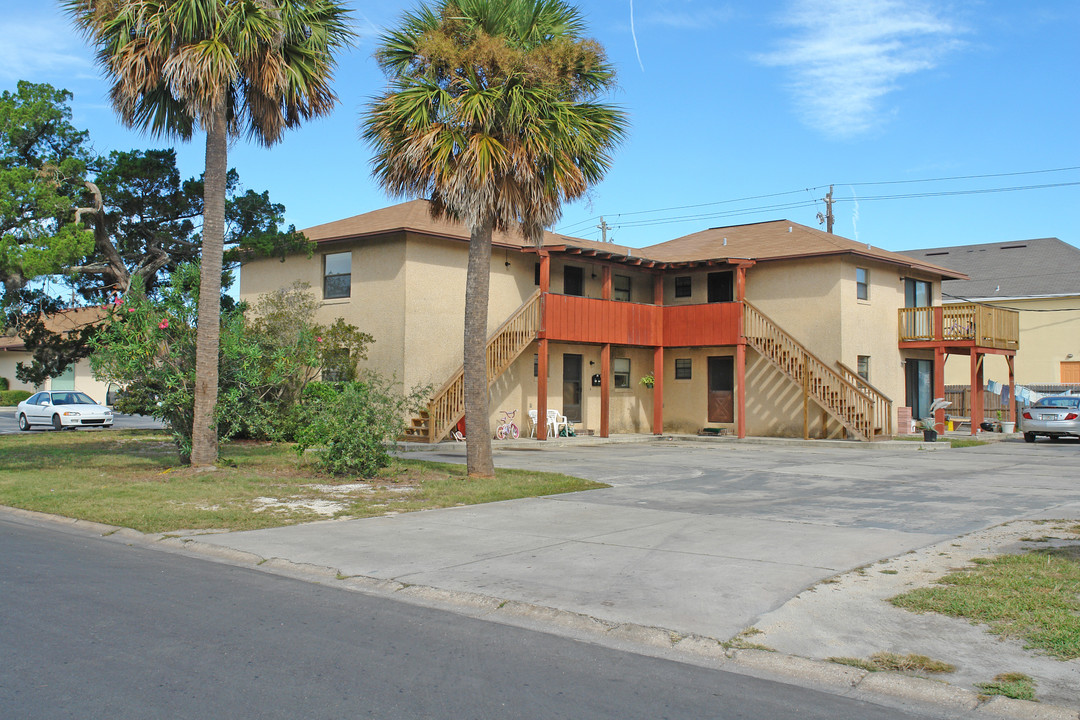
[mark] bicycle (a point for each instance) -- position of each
(506, 427)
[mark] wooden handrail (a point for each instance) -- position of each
(504, 346)
(840, 398)
(882, 403)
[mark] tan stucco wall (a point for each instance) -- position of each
(1046, 339)
(410, 296)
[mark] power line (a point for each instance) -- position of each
(567, 229)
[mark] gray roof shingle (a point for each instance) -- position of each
(1024, 268)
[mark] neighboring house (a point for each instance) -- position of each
(1038, 278)
(771, 328)
(76, 377)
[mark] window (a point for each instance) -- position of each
(917, 293)
(620, 371)
(573, 281)
(536, 274)
(862, 283)
(536, 365)
(863, 367)
(684, 286)
(620, 288)
(337, 275)
(683, 368)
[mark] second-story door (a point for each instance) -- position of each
(571, 371)
(721, 286)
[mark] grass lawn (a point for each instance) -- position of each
(133, 479)
(1034, 596)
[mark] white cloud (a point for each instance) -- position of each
(847, 55)
(40, 50)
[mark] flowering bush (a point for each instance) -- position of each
(265, 362)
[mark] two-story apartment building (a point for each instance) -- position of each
(770, 328)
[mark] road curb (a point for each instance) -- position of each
(882, 687)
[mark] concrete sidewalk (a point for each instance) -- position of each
(703, 540)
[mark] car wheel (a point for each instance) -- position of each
(57, 425)
(24, 424)
(1029, 437)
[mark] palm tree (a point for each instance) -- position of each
(225, 66)
(492, 114)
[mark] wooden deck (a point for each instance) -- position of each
(967, 325)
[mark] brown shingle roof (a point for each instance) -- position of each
(414, 216)
(776, 240)
(64, 321)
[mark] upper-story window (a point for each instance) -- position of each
(573, 280)
(917, 293)
(684, 286)
(620, 288)
(337, 275)
(862, 283)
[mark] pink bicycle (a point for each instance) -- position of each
(507, 428)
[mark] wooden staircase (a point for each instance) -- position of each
(447, 406)
(847, 403)
(883, 423)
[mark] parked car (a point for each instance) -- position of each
(62, 409)
(1054, 417)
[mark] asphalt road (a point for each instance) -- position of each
(94, 628)
(9, 426)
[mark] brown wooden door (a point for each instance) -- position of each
(1070, 372)
(572, 387)
(722, 389)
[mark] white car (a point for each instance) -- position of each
(62, 409)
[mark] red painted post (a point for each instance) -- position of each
(1011, 360)
(658, 360)
(740, 351)
(542, 350)
(605, 390)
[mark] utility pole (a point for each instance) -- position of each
(827, 218)
(604, 227)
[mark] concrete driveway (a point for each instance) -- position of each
(695, 537)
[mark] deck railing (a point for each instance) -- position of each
(984, 325)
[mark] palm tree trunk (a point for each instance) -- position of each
(477, 424)
(204, 439)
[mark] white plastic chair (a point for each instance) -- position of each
(556, 420)
(532, 423)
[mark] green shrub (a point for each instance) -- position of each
(10, 398)
(352, 426)
(4, 384)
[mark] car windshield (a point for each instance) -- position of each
(72, 398)
(1059, 402)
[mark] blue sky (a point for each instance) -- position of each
(740, 112)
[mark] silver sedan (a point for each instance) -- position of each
(1053, 417)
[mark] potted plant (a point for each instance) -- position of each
(927, 424)
(648, 380)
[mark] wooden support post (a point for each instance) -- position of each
(658, 363)
(542, 390)
(605, 282)
(658, 391)
(605, 390)
(740, 382)
(1010, 360)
